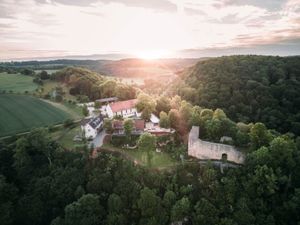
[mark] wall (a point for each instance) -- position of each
(209, 150)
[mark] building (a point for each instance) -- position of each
(107, 100)
(92, 126)
(138, 127)
(122, 108)
(212, 151)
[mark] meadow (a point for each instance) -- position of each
(20, 113)
(17, 83)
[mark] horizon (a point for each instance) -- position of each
(116, 29)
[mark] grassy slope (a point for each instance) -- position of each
(22, 113)
(159, 160)
(16, 83)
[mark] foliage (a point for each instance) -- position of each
(146, 105)
(42, 184)
(248, 88)
(164, 120)
(147, 142)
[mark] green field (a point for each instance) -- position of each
(16, 83)
(20, 113)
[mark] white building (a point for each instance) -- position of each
(91, 127)
(122, 108)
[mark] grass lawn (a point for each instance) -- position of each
(65, 137)
(16, 83)
(20, 113)
(159, 160)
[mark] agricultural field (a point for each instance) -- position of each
(17, 83)
(49, 71)
(20, 113)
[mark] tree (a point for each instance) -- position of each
(164, 120)
(205, 213)
(115, 208)
(174, 118)
(128, 127)
(85, 211)
(163, 104)
(180, 210)
(8, 194)
(85, 110)
(259, 136)
(152, 212)
(108, 125)
(146, 105)
(219, 114)
(147, 142)
(44, 75)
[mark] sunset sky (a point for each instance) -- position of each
(146, 28)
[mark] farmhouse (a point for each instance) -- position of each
(122, 108)
(91, 127)
(208, 150)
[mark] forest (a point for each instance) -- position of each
(40, 183)
(248, 88)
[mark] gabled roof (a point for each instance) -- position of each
(123, 105)
(95, 122)
(111, 99)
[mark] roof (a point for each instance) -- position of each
(85, 121)
(154, 119)
(139, 124)
(111, 99)
(95, 122)
(123, 105)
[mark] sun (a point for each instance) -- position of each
(152, 54)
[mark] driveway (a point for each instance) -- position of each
(98, 140)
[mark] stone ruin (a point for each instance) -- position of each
(214, 151)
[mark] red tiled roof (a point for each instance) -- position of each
(139, 124)
(123, 105)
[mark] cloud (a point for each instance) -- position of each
(151, 4)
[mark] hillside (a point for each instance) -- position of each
(248, 88)
(122, 68)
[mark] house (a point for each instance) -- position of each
(92, 126)
(138, 127)
(122, 108)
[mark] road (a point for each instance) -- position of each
(98, 140)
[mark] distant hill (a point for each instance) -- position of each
(122, 68)
(248, 88)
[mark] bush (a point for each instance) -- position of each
(69, 123)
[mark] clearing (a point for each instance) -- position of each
(17, 83)
(158, 160)
(20, 113)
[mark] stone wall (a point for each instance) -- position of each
(209, 150)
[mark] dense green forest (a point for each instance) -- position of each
(40, 183)
(248, 89)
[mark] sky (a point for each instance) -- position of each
(148, 28)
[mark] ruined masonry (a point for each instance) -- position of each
(209, 150)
